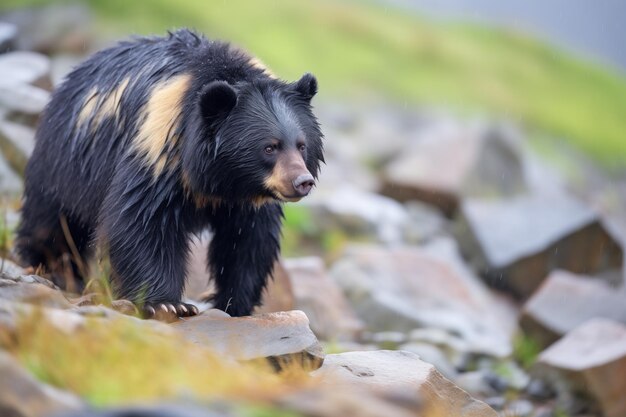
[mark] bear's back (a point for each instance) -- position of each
(126, 103)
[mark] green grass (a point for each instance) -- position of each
(362, 50)
(119, 361)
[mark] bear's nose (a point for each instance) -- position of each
(303, 184)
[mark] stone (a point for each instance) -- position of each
(33, 293)
(24, 67)
(475, 383)
(283, 337)
(565, 301)
(10, 182)
(453, 162)
(428, 287)
(8, 34)
(16, 144)
(12, 270)
(52, 29)
(349, 401)
(359, 214)
(433, 355)
(22, 102)
(515, 243)
(592, 358)
(425, 223)
(321, 299)
(22, 395)
(398, 372)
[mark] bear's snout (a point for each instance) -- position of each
(303, 184)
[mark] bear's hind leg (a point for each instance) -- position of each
(48, 239)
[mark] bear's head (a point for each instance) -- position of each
(259, 141)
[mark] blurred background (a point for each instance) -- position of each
(472, 208)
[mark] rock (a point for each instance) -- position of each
(593, 359)
(359, 213)
(425, 223)
(283, 337)
(15, 289)
(398, 372)
(406, 288)
(497, 402)
(23, 67)
(454, 162)
(21, 395)
(330, 314)
(8, 34)
(278, 295)
(475, 383)
(515, 243)
(10, 182)
(433, 355)
(565, 301)
(16, 144)
(52, 29)
(12, 270)
(349, 401)
(22, 102)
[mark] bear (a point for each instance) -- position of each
(156, 139)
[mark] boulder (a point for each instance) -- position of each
(283, 338)
(515, 243)
(400, 373)
(22, 102)
(592, 358)
(359, 213)
(428, 287)
(8, 34)
(565, 301)
(330, 314)
(16, 144)
(52, 29)
(24, 67)
(10, 182)
(21, 395)
(454, 162)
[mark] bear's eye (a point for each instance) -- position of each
(302, 147)
(270, 149)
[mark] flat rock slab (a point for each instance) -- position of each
(565, 301)
(331, 316)
(428, 287)
(283, 337)
(401, 373)
(595, 352)
(516, 242)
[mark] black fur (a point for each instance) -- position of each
(88, 174)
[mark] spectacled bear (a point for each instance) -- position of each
(158, 138)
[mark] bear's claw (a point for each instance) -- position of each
(178, 309)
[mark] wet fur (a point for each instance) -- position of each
(133, 160)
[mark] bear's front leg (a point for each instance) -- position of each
(142, 223)
(245, 245)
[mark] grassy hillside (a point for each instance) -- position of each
(360, 49)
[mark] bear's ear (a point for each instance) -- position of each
(307, 86)
(217, 99)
